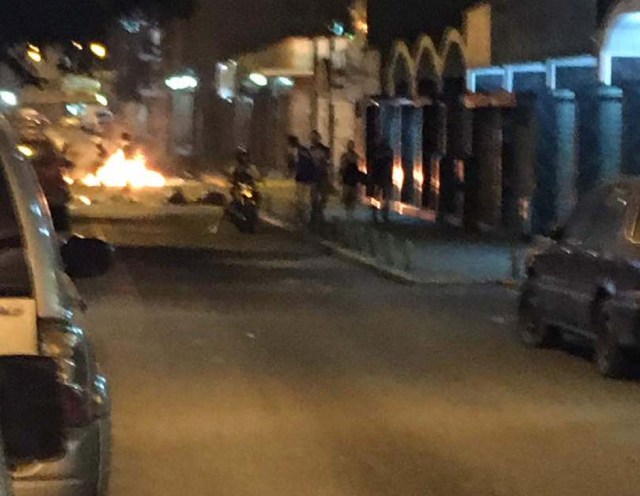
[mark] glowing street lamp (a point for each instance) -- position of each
(181, 82)
(33, 52)
(77, 45)
(102, 100)
(9, 98)
(99, 50)
(258, 79)
(285, 81)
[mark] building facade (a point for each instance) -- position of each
(507, 119)
(291, 87)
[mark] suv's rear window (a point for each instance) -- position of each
(14, 272)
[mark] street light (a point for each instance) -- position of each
(181, 82)
(285, 81)
(99, 50)
(9, 98)
(33, 52)
(77, 45)
(102, 100)
(258, 79)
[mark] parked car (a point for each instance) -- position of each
(41, 314)
(587, 281)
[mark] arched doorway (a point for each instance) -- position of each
(429, 89)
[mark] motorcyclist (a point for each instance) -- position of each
(244, 172)
(245, 198)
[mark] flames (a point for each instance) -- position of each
(122, 172)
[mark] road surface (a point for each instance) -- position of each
(267, 368)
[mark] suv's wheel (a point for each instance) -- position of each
(532, 330)
(609, 356)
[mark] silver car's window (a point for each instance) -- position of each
(15, 278)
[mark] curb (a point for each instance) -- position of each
(392, 274)
(347, 254)
(353, 256)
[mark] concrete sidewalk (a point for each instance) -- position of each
(439, 253)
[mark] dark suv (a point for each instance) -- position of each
(588, 281)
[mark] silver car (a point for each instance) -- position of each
(42, 314)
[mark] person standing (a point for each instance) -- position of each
(382, 179)
(301, 168)
(351, 177)
(321, 189)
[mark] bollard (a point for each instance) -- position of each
(388, 243)
(331, 234)
(342, 236)
(362, 239)
(515, 262)
(407, 255)
(371, 241)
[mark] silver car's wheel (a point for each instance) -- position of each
(532, 330)
(608, 354)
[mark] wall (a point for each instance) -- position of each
(477, 29)
(536, 30)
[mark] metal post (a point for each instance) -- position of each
(332, 109)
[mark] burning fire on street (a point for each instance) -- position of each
(121, 172)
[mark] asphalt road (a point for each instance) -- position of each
(267, 368)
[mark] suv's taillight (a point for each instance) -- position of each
(64, 343)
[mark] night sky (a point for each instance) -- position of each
(407, 19)
(224, 28)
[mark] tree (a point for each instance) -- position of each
(45, 22)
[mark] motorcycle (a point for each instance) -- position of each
(244, 206)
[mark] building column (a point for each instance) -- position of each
(487, 153)
(458, 141)
(599, 136)
(411, 160)
(434, 144)
(556, 170)
(630, 129)
(373, 131)
(519, 162)
(392, 134)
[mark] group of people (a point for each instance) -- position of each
(312, 171)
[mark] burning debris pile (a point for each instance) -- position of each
(119, 171)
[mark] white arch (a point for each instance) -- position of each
(620, 36)
(425, 47)
(452, 37)
(401, 54)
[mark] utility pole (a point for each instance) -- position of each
(332, 108)
(315, 104)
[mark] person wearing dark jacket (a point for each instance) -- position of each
(351, 177)
(323, 182)
(301, 168)
(382, 179)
